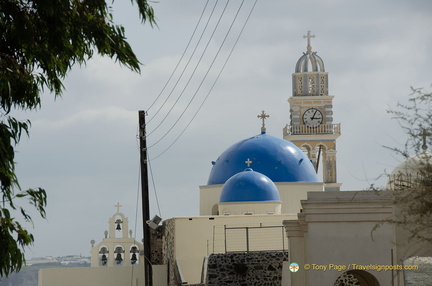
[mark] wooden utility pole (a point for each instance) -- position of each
(148, 271)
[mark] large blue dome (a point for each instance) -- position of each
(249, 186)
(278, 159)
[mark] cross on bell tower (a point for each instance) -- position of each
(118, 206)
(263, 116)
(309, 36)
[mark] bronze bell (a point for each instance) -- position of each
(118, 222)
(104, 259)
(119, 258)
(134, 258)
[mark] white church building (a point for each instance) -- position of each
(266, 217)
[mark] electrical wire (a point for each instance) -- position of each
(151, 174)
(186, 66)
(148, 159)
(136, 212)
(178, 63)
(193, 72)
(138, 200)
(220, 72)
(153, 183)
(206, 74)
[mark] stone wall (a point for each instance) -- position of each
(243, 269)
(156, 247)
(168, 250)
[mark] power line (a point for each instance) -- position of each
(152, 178)
(214, 83)
(187, 64)
(178, 63)
(154, 186)
(206, 74)
(136, 215)
(193, 72)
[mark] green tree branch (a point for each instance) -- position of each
(413, 191)
(40, 41)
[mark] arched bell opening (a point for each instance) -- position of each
(321, 167)
(307, 150)
(119, 255)
(134, 255)
(103, 255)
(118, 227)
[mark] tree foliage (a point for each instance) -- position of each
(415, 117)
(40, 41)
(413, 190)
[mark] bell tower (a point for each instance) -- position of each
(118, 247)
(311, 125)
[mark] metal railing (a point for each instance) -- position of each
(303, 129)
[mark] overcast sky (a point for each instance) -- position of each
(83, 147)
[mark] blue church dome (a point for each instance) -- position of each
(249, 186)
(278, 159)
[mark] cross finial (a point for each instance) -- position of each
(118, 206)
(424, 134)
(248, 162)
(263, 116)
(308, 36)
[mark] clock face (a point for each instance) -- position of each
(312, 118)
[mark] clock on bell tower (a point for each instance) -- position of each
(311, 125)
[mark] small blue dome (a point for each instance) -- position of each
(278, 159)
(249, 186)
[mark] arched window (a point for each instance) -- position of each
(215, 209)
(356, 278)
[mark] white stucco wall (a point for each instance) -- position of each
(338, 228)
(290, 194)
(197, 237)
(100, 276)
(347, 243)
(209, 197)
(240, 208)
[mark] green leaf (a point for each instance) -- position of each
(40, 42)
